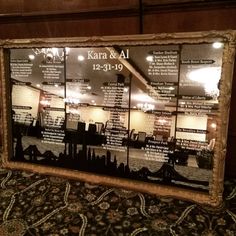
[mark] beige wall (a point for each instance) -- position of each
(26, 96)
(139, 120)
(191, 122)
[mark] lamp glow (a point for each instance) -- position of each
(80, 58)
(31, 57)
(209, 77)
(126, 90)
(217, 45)
(213, 125)
(149, 58)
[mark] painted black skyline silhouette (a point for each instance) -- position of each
(85, 159)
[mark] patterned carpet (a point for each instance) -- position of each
(32, 204)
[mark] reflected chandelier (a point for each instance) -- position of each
(52, 54)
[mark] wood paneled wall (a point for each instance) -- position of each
(206, 19)
(68, 18)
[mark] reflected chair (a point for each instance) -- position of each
(99, 127)
(92, 128)
(141, 140)
(131, 138)
(131, 135)
(81, 127)
(211, 144)
(70, 123)
(141, 136)
(59, 121)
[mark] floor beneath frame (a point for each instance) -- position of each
(32, 204)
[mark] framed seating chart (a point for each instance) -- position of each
(143, 112)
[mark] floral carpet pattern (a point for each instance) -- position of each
(33, 204)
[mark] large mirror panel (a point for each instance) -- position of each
(147, 113)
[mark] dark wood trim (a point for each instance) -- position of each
(231, 133)
(148, 7)
(175, 6)
(70, 15)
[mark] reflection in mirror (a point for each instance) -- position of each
(140, 112)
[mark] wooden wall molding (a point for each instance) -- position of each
(23, 13)
(151, 7)
(72, 14)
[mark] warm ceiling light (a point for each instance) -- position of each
(126, 89)
(80, 58)
(38, 85)
(31, 57)
(149, 58)
(92, 101)
(56, 85)
(208, 77)
(171, 88)
(217, 45)
(205, 75)
(89, 87)
(213, 125)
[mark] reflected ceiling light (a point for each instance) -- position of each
(89, 87)
(134, 107)
(171, 88)
(81, 58)
(92, 101)
(213, 125)
(56, 85)
(217, 45)
(149, 58)
(31, 57)
(126, 89)
(209, 77)
(206, 74)
(38, 85)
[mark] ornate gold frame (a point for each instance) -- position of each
(214, 198)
